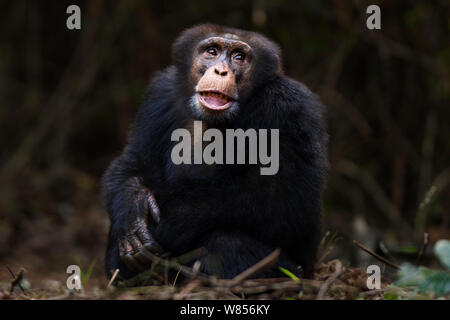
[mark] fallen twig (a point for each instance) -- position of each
(16, 280)
(165, 263)
(377, 256)
(116, 272)
(371, 293)
(264, 264)
(326, 285)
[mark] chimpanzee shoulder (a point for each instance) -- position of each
(156, 118)
(288, 103)
(158, 99)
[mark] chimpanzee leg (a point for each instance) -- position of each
(228, 254)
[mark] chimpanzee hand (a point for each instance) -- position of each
(138, 241)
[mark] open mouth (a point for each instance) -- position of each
(214, 100)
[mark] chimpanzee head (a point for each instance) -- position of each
(220, 68)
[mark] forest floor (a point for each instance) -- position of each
(331, 280)
(33, 265)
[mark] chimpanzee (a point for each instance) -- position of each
(228, 79)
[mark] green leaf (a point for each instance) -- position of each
(409, 250)
(390, 296)
(85, 276)
(289, 274)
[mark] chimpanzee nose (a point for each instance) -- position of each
(221, 70)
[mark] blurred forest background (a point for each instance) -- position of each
(67, 98)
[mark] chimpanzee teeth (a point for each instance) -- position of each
(214, 95)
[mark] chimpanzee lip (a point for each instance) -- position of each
(203, 96)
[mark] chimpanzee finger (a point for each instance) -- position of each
(144, 257)
(154, 248)
(148, 241)
(132, 263)
(125, 247)
(138, 250)
(125, 252)
(135, 243)
(154, 209)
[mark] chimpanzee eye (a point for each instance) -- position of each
(212, 51)
(239, 56)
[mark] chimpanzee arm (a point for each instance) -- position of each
(128, 204)
(127, 200)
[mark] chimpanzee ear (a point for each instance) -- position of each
(182, 47)
(268, 59)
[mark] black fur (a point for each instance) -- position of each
(238, 215)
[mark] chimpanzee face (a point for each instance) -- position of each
(221, 69)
